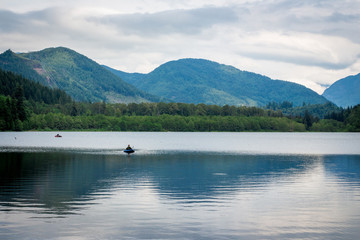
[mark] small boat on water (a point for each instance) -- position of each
(58, 135)
(129, 151)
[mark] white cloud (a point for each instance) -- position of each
(191, 21)
(301, 48)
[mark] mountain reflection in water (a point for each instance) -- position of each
(228, 196)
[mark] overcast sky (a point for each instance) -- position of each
(311, 42)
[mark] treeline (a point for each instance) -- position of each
(54, 110)
(318, 111)
(59, 121)
(152, 109)
(143, 117)
(321, 117)
(174, 117)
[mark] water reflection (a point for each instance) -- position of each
(53, 181)
(58, 181)
(195, 195)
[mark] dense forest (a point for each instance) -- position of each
(32, 91)
(26, 105)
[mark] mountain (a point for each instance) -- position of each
(32, 90)
(204, 81)
(344, 92)
(9, 61)
(74, 73)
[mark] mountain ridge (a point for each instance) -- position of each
(344, 92)
(78, 75)
(191, 80)
(187, 80)
(10, 61)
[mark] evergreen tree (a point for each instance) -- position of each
(20, 107)
(74, 111)
(308, 121)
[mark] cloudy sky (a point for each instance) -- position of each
(311, 42)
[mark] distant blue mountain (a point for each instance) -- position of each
(344, 92)
(203, 81)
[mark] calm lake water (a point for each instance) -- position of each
(179, 186)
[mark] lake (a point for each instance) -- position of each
(179, 185)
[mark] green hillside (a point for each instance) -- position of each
(203, 81)
(78, 75)
(9, 61)
(344, 92)
(32, 91)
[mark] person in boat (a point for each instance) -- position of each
(129, 150)
(58, 135)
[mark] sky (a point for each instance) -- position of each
(310, 42)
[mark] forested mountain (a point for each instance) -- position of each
(78, 75)
(203, 81)
(344, 92)
(10, 61)
(32, 91)
(185, 80)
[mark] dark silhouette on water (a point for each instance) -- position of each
(129, 150)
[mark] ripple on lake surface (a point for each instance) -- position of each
(167, 142)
